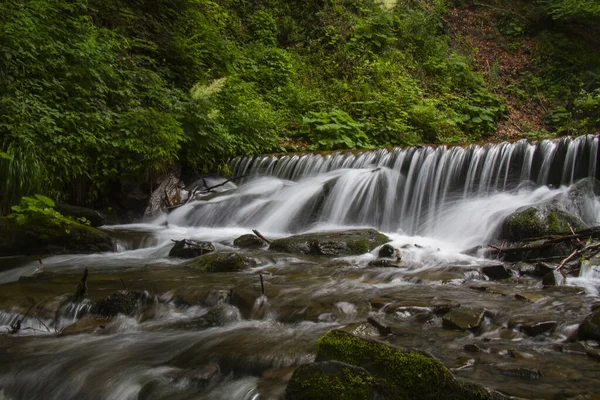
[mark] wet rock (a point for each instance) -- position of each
(122, 302)
(496, 272)
(167, 194)
(333, 243)
(330, 380)
(223, 262)
(221, 315)
(524, 373)
(537, 221)
(384, 263)
(539, 328)
(84, 325)
(443, 306)
(391, 373)
(362, 329)
(472, 348)
(554, 278)
(388, 251)
(590, 327)
(201, 376)
(583, 194)
(382, 329)
(541, 269)
(96, 218)
(249, 242)
(46, 235)
(530, 297)
(188, 248)
(464, 318)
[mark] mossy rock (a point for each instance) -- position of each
(332, 243)
(590, 327)
(330, 380)
(50, 236)
(223, 262)
(249, 242)
(537, 221)
(122, 302)
(397, 374)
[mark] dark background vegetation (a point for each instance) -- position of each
(94, 93)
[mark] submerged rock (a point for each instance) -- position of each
(249, 242)
(332, 243)
(122, 302)
(537, 221)
(463, 318)
(187, 248)
(223, 262)
(590, 327)
(46, 235)
(368, 369)
(388, 251)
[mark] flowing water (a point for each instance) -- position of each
(432, 202)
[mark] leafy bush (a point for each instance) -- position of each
(37, 207)
(334, 130)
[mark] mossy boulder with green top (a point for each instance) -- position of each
(392, 374)
(537, 221)
(332, 243)
(222, 262)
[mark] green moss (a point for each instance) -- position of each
(539, 221)
(560, 222)
(329, 380)
(402, 375)
(335, 243)
(222, 262)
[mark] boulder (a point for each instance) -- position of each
(553, 278)
(463, 318)
(388, 251)
(496, 272)
(332, 243)
(583, 194)
(46, 235)
(380, 372)
(537, 221)
(249, 242)
(122, 302)
(167, 194)
(330, 380)
(223, 262)
(96, 218)
(590, 327)
(187, 248)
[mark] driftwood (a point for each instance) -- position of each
(81, 292)
(257, 233)
(201, 190)
(591, 249)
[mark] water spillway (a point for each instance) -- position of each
(431, 191)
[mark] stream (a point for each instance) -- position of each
(433, 203)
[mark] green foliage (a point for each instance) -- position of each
(334, 130)
(38, 207)
(566, 9)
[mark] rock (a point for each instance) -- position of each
(223, 262)
(84, 325)
(530, 297)
(590, 327)
(122, 302)
(384, 263)
(442, 306)
(330, 380)
(496, 272)
(472, 348)
(96, 218)
(583, 194)
(554, 278)
(332, 243)
(201, 376)
(384, 372)
(47, 235)
(388, 251)
(524, 373)
(187, 248)
(383, 329)
(535, 329)
(167, 194)
(249, 242)
(537, 221)
(463, 318)
(221, 314)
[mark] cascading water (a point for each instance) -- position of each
(231, 336)
(416, 191)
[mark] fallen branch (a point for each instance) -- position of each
(579, 252)
(210, 188)
(81, 291)
(262, 285)
(257, 233)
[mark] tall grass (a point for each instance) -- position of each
(21, 174)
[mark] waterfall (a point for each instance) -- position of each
(416, 190)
